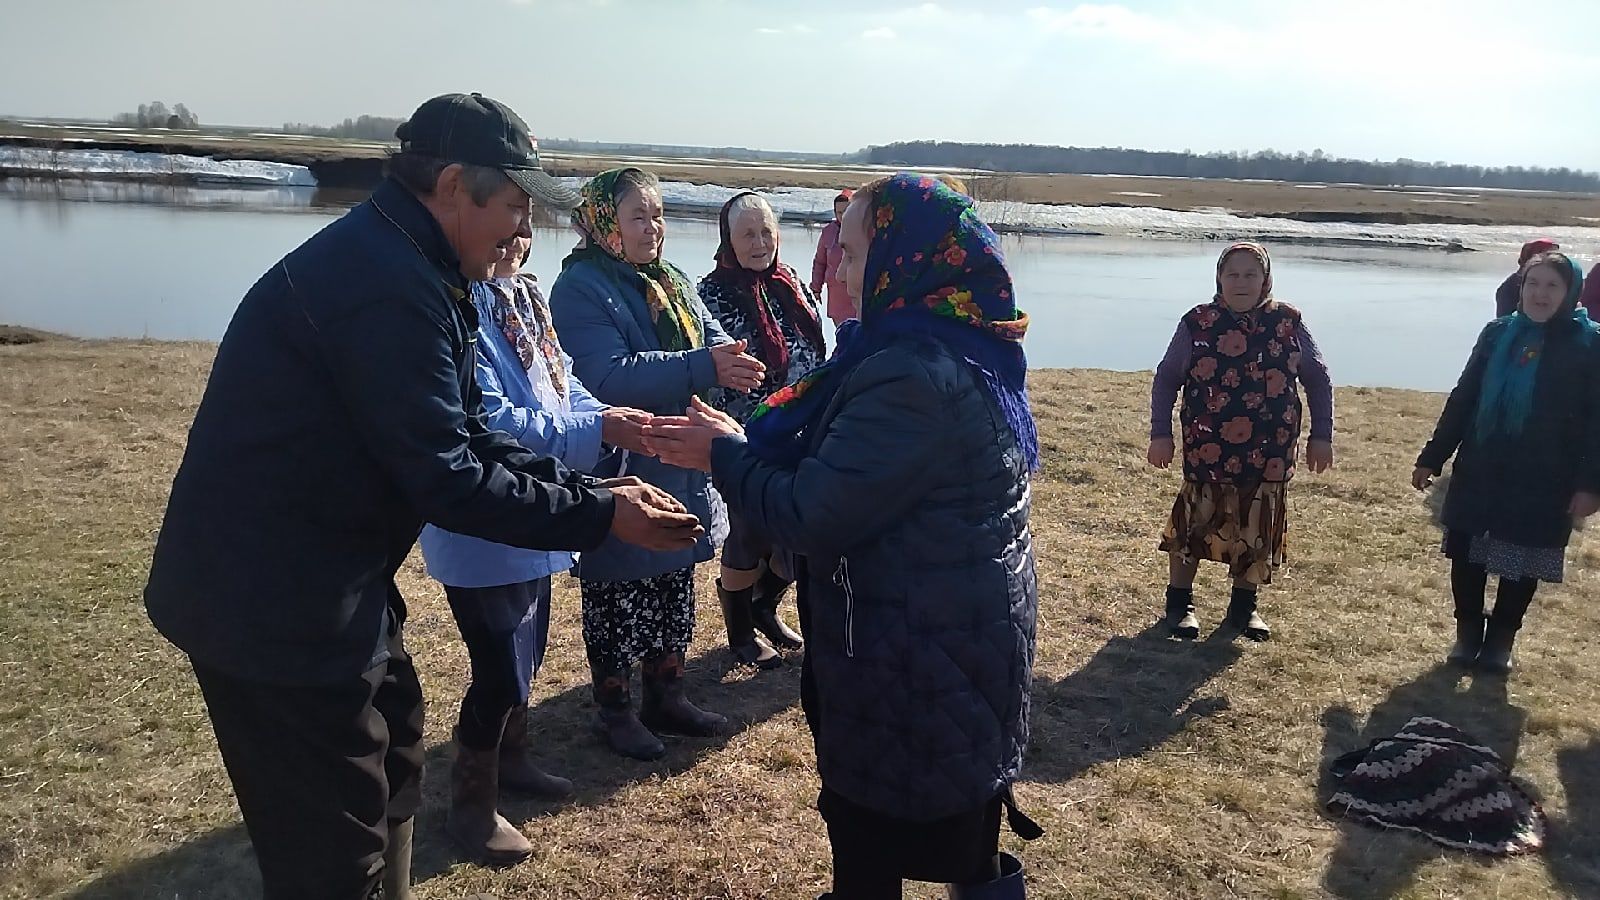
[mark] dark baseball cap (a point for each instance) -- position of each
(471, 128)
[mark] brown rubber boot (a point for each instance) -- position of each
(666, 709)
(748, 649)
(473, 822)
(518, 774)
(621, 728)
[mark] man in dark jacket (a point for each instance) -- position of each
(341, 413)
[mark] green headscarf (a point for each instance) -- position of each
(667, 291)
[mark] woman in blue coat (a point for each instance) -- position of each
(898, 474)
(640, 337)
(500, 595)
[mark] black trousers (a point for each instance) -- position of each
(873, 853)
(505, 629)
(321, 771)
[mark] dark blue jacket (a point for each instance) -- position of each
(916, 577)
(341, 413)
(605, 327)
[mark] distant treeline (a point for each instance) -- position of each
(1266, 164)
(156, 115)
(365, 128)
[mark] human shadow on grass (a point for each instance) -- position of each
(563, 740)
(1574, 852)
(1132, 696)
(220, 865)
(1371, 863)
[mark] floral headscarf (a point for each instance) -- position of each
(1261, 255)
(667, 291)
(933, 267)
(518, 308)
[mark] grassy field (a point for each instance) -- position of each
(1160, 769)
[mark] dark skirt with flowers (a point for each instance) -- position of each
(1243, 525)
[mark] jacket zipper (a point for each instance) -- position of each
(841, 578)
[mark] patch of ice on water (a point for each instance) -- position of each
(131, 163)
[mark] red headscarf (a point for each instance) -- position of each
(1534, 248)
(755, 293)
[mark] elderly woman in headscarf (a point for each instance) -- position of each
(898, 473)
(499, 595)
(1238, 362)
(1508, 296)
(762, 302)
(640, 337)
(1524, 426)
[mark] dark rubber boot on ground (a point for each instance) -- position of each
(619, 725)
(1180, 618)
(1498, 640)
(518, 774)
(748, 649)
(1009, 886)
(1243, 616)
(665, 708)
(1469, 641)
(397, 860)
(770, 591)
(473, 822)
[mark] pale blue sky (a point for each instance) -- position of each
(1469, 81)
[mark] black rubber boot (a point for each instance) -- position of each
(1243, 616)
(748, 649)
(665, 708)
(769, 592)
(621, 728)
(1469, 641)
(1511, 601)
(518, 774)
(1009, 886)
(1181, 619)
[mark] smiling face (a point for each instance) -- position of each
(480, 233)
(641, 224)
(1243, 281)
(753, 233)
(1544, 291)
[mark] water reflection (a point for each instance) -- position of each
(110, 259)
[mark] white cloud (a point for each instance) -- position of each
(878, 34)
(797, 30)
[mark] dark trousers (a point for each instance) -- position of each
(506, 629)
(873, 853)
(320, 772)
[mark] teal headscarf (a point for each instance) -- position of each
(1507, 395)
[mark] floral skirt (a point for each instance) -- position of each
(1244, 526)
(626, 621)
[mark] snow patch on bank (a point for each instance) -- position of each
(134, 164)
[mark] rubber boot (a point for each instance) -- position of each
(623, 732)
(1469, 640)
(473, 822)
(1498, 640)
(1243, 616)
(1009, 886)
(1181, 620)
(397, 860)
(666, 709)
(518, 774)
(769, 592)
(748, 649)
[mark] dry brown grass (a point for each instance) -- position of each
(1160, 769)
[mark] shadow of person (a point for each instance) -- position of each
(1133, 695)
(218, 865)
(1370, 863)
(221, 865)
(563, 740)
(1574, 852)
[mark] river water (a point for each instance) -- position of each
(103, 260)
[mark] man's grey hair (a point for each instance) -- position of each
(419, 173)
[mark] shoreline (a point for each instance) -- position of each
(341, 164)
